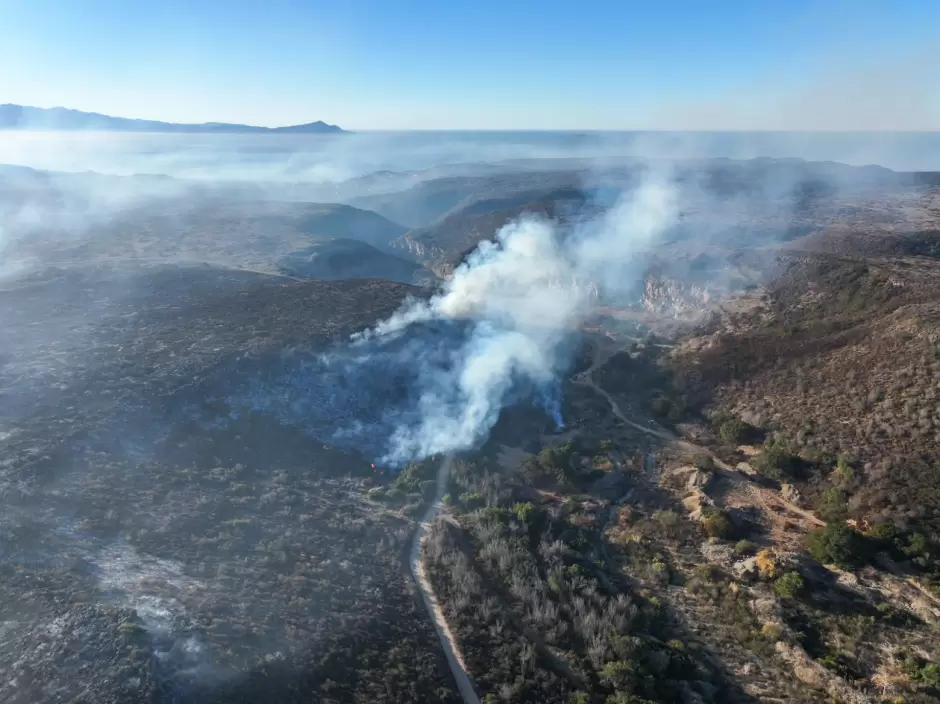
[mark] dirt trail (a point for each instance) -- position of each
(764, 496)
(419, 571)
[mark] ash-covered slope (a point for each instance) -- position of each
(424, 203)
(161, 543)
(64, 220)
(350, 259)
(76, 329)
(459, 231)
(725, 204)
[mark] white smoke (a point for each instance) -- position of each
(523, 294)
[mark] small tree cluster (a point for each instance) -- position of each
(717, 523)
(777, 462)
(790, 585)
(734, 431)
(838, 544)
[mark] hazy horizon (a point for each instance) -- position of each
(332, 158)
(415, 65)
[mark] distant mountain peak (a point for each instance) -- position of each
(24, 117)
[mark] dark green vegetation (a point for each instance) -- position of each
(410, 489)
(837, 544)
(848, 370)
(543, 607)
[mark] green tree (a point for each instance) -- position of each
(524, 511)
(844, 472)
(735, 432)
(832, 506)
(776, 462)
(620, 675)
(717, 523)
(790, 585)
(884, 533)
(838, 544)
(917, 546)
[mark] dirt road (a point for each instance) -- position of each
(419, 572)
(764, 497)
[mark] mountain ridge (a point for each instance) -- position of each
(24, 117)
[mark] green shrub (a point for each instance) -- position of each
(920, 670)
(707, 573)
(666, 518)
(929, 675)
(524, 511)
(409, 479)
(844, 472)
(745, 547)
(917, 546)
(837, 544)
(472, 499)
(884, 533)
(790, 585)
(717, 523)
(557, 458)
(735, 432)
(776, 462)
(832, 506)
(619, 674)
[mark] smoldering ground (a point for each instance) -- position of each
(434, 377)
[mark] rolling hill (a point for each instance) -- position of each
(23, 117)
(338, 258)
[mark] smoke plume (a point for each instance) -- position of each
(522, 295)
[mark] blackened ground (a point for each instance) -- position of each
(148, 554)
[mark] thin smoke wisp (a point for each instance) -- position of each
(522, 295)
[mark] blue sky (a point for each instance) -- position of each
(481, 64)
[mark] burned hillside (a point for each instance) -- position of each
(704, 475)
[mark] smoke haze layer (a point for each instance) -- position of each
(522, 296)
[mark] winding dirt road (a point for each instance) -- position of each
(419, 572)
(763, 496)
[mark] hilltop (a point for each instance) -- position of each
(24, 117)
